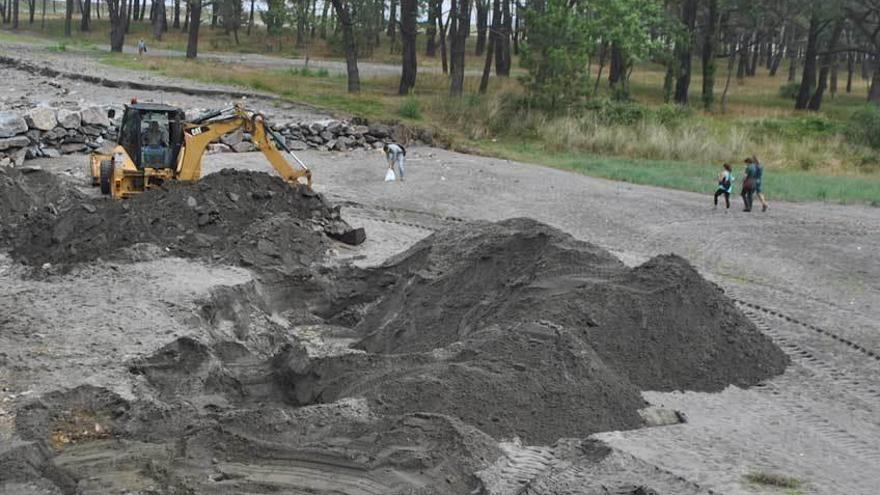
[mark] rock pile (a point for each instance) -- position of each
(50, 132)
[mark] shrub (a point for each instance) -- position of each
(672, 115)
(790, 91)
(411, 109)
(864, 127)
(322, 73)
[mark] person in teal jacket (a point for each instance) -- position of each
(725, 185)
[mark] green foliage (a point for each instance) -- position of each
(798, 127)
(322, 72)
(864, 127)
(790, 91)
(556, 56)
(58, 47)
(306, 72)
(411, 109)
(275, 16)
(771, 479)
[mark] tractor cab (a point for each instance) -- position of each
(152, 135)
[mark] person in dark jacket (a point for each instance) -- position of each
(759, 179)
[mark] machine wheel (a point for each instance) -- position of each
(106, 175)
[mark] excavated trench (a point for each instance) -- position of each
(401, 378)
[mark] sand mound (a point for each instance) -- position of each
(521, 330)
(240, 217)
(26, 192)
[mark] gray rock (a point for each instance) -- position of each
(191, 202)
(378, 145)
(73, 148)
(14, 142)
(380, 130)
(359, 130)
(18, 157)
(296, 145)
(5, 161)
(89, 207)
(218, 148)
(96, 116)
(335, 126)
(326, 135)
(232, 196)
(331, 144)
(91, 130)
(33, 152)
(244, 147)
(316, 128)
(11, 124)
(233, 138)
(41, 118)
(51, 153)
(69, 119)
(34, 136)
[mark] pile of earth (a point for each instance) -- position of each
(28, 192)
(239, 217)
(521, 330)
(478, 333)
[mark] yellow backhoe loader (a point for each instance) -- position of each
(156, 144)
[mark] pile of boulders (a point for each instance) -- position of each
(327, 135)
(50, 132)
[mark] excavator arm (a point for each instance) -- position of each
(199, 134)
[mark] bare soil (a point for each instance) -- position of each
(156, 373)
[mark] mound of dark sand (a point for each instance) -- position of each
(27, 192)
(241, 217)
(522, 330)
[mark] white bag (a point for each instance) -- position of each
(389, 176)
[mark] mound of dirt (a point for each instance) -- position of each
(246, 218)
(522, 330)
(27, 192)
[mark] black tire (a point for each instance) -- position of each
(106, 175)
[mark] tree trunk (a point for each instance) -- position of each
(159, 25)
(685, 52)
(86, 15)
(710, 47)
(459, 39)
(850, 69)
(32, 10)
(43, 16)
(431, 30)
(392, 21)
(827, 59)
(603, 53)
(409, 10)
(452, 21)
(793, 59)
(323, 31)
(482, 7)
(874, 92)
(301, 12)
(346, 23)
(490, 49)
(731, 61)
(117, 12)
(756, 54)
(780, 51)
(68, 16)
(502, 43)
(15, 15)
(808, 80)
(195, 19)
(186, 16)
(441, 26)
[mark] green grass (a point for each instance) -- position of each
(789, 185)
(792, 485)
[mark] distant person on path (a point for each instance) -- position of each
(759, 179)
(725, 185)
(749, 184)
(142, 47)
(396, 156)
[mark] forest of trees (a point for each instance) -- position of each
(570, 49)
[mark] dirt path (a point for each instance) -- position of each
(806, 274)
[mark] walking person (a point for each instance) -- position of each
(749, 183)
(759, 176)
(725, 185)
(396, 156)
(142, 47)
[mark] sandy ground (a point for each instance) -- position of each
(807, 274)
